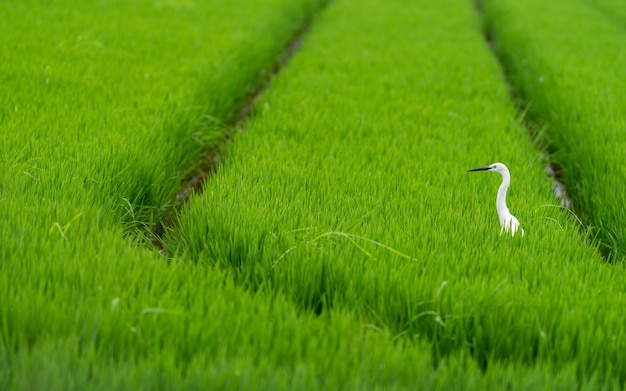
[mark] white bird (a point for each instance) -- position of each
(508, 222)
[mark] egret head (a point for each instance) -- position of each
(495, 167)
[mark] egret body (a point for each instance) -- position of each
(508, 222)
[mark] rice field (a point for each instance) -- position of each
(339, 243)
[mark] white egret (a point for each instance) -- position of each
(508, 222)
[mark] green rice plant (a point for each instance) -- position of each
(283, 351)
(139, 323)
(573, 83)
(615, 10)
(112, 100)
(366, 137)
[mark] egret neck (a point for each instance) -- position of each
(503, 211)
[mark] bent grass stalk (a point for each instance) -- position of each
(350, 237)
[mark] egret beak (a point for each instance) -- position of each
(480, 169)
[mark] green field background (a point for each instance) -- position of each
(340, 242)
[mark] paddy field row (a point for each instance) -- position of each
(573, 86)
